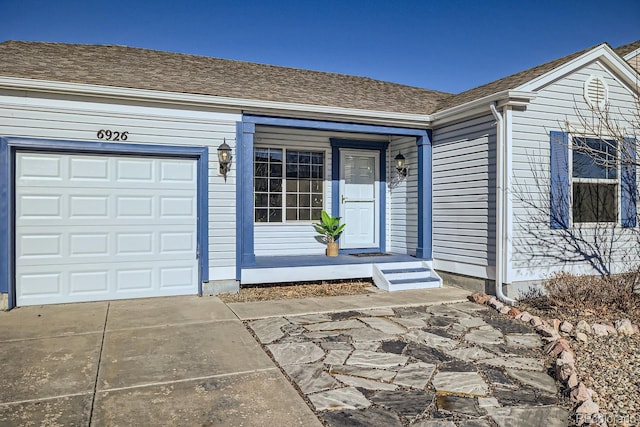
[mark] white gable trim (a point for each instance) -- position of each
(602, 52)
(632, 54)
(513, 98)
(236, 105)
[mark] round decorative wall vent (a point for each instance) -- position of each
(596, 92)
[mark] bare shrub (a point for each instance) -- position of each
(604, 296)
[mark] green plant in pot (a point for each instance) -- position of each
(330, 229)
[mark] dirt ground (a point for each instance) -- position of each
(291, 291)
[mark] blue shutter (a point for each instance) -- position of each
(628, 208)
(559, 196)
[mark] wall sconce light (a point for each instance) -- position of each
(401, 166)
(224, 158)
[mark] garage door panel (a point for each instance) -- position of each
(94, 282)
(34, 167)
(74, 245)
(88, 170)
(44, 206)
(177, 172)
(112, 227)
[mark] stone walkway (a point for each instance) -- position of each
(441, 365)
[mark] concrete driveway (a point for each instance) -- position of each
(162, 361)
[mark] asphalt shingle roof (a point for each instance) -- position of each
(509, 82)
(627, 48)
(129, 67)
(137, 68)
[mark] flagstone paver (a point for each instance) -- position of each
(444, 365)
(340, 398)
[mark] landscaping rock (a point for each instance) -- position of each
(566, 327)
(624, 327)
(580, 393)
(525, 316)
(573, 380)
(535, 321)
(547, 331)
(513, 312)
(581, 336)
(479, 298)
(600, 330)
(556, 347)
(588, 407)
(584, 327)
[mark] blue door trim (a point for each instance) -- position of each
(8, 148)
(245, 132)
(381, 147)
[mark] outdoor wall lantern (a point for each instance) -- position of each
(224, 158)
(401, 166)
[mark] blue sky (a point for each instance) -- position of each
(444, 45)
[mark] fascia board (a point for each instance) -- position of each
(516, 98)
(602, 52)
(220, 102)
(630, 55)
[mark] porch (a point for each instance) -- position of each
(292, 169)
(389, 271)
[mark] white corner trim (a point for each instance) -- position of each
(235, 104)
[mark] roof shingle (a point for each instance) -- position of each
(137, 68)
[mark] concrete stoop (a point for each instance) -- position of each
(402, 276)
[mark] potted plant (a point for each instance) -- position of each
(330, 229)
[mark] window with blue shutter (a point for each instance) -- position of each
(602, 186)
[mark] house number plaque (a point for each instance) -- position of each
(112, 135)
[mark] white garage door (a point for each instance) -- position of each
(92, 228)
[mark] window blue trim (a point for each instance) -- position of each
(332, 126)
(381, 147)
(424, 250)
(628, 190)
(8, 148)
(559, 177)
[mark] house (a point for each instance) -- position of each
(111, 185)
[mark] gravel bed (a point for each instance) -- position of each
(611, 367)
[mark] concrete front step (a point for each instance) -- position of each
(405, 270)
(405, 276)
(420, 279)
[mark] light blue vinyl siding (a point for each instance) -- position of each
(538, 250)
(464, 195)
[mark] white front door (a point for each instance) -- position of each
(359, 204)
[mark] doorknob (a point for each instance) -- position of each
(343, 199)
